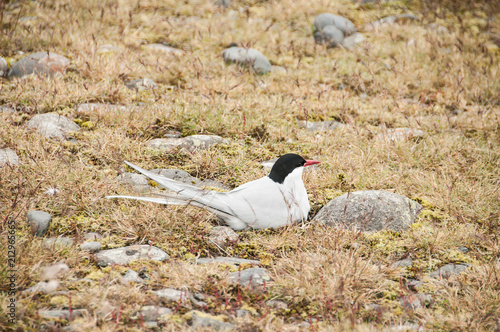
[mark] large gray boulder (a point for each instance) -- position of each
(40, 63)
(8, 157)
(329, 35)
(371, 210)
(343, 24)
(247, 57)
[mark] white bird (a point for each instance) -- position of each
(273, 201)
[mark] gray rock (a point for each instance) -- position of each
(202, 320)
(403, 263)
(353, 40)
(39, 222)
(415, 301)
(92, 236)
(414, 284)
(90, 108)
(92, 246)
(389, 20)
(276, 304)
(253, 277)
(268, 164)
(52, 125)
(278, 70)
(61, 241)
(227, 260)
(138, 181)
(124, 255)
(3, 67)
(223, 236)
(64, 314)
(213, 183)
(449, 270)
(463, 249)
(370, 210)
(177, 175)
(6, 109)
(190, 143)
(343, 24)
(8, 157)
(242, 313)
(165, 49)
(400, 134)
(437, 28)
(141, 84)
(107, 48)
(153, 313)
(131, 276)
(172, 134)
(174, 295)
(321, 125)
(40, 63)
(42, 287)
(330, 35)
(247, 57)
(167, 145)
(223, 3)
(54, 270)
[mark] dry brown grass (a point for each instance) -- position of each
(403, 76)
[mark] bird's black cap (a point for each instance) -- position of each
(285, 165)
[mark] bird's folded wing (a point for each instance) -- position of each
(212, 199)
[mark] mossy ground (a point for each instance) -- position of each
(403, 76)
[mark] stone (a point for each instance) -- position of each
(131, 276)
(400, 134)
(174, 295)
(330, 35)
(407, 262)
(99, 108)
(167, 145)
(415, 301)
(253, 277)
(389, 20)
(92, 236)
(227, 260)
(107, 48)
(189, 143)
(53, 271)
(223, 3)
(52, 125)
(165, 49)
(463, 249)
(61, 242)
(138, 182)
(124, 255)
(91, 246)
(6, 109)
(172, 134)
(242, 313)
(210, 183)
(199, 320)
(437, 28)
(248, 57)
(141, 84)
(64, 314)
(42, 287)
(321, 125)
(40, 63)
(353, 40)
(278, 70)
(39, 222)
(8, 157)
(276, 304)
(152, 313)
(268, 164)
(4, 69)
(326, 19)
(370, 210)
(449, 270)
(414, 284)
(177, 175)
(222, 236)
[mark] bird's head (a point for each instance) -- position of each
(286, 164)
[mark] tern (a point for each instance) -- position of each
(272, 201)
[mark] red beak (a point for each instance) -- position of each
(311, 162)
